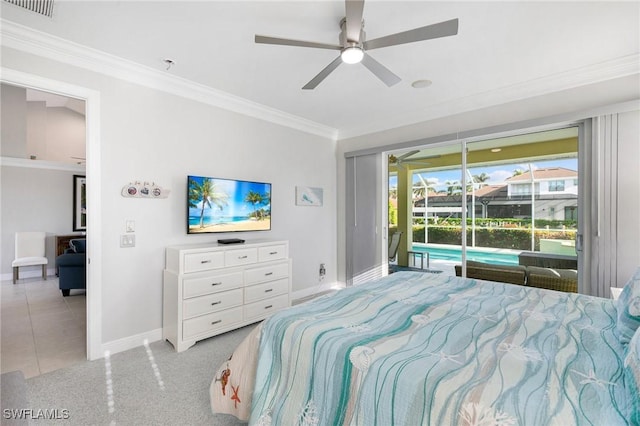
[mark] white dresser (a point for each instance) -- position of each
(213, 288)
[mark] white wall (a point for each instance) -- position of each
(13, 131)
(34, 199)
(149, 135)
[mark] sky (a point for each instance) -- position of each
(497, 174)
(236, 191)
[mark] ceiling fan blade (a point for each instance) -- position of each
(407, 154)
(290, 42)
(354, 9)
(442, 29)
(380, 70)
(323, 74)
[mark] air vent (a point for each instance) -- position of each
(43, 7)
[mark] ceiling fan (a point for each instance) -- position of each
(403, 159)
(353, 45)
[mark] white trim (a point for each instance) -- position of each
(301, 294)
(131, 342)
(93, 173)
(27, 39)
(41, 164)
(616, 68)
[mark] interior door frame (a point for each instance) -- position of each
(94, 220)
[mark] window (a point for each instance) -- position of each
(571, 213)
(524, 189)
(556, 186)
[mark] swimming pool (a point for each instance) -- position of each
(479, 254)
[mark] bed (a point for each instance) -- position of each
(414, 348)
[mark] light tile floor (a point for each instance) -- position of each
(41, 331)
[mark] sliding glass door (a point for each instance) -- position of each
(512, 200)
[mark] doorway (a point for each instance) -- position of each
(93, 223)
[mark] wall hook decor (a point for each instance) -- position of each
(144, 190)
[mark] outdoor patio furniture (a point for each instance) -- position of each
(515, 274)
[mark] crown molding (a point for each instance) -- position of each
(590, 74)
(39, 43)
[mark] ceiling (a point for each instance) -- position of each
(504, 51)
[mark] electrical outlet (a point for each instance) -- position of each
(127, 241)
(322, 272)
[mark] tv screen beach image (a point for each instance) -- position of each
(226, 205)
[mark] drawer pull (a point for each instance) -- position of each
(242, 257)
(268, 273)
(216, 322)
(215, 303)
(268, 307)
(273, 252)
(218, 283)
(205, 261)
(268, 290)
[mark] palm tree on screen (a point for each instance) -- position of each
(256, 199)
(206, 194)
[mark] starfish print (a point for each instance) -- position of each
(484, 317)
(235, 398)
(591, 378)
(445, 357)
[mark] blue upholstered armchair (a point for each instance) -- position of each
(72, 267)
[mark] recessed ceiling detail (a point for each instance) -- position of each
(43, 7)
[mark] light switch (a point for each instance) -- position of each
(130, 226)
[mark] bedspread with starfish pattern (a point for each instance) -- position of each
(414, 348)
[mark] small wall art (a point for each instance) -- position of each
(144, 190)
(79, 203)
(308, 196)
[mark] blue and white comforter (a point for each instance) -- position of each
(428, 349)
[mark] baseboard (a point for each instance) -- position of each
(131, 342)
(31, 273)
(300, 294)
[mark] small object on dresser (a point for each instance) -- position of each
(230, 241)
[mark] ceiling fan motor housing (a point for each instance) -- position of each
(342, 39)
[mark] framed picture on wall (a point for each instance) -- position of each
(79, 203)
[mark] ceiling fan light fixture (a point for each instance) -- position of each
(352, 55)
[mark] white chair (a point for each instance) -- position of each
(30, 251)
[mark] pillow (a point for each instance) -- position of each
(568, 274)
(632, 377)
(628, 309)
(79, 246)
(545, 272)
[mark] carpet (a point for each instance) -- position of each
(148, 385)
(13, 398)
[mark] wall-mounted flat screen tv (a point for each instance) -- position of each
(227, 205)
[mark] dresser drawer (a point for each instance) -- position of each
(266, 290)
(211, 283)
(266, 273)
(240, 257)
(211, 303)
(275, 252)
(196, 262)
(211, 322)
(259, 310)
